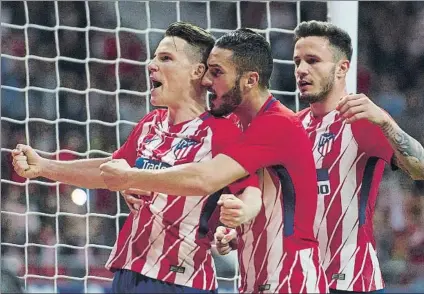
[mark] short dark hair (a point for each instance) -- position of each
(251, 52)
(201, 40)
(338, 38)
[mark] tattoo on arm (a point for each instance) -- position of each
(409, 152)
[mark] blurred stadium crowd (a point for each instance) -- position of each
(390, 71)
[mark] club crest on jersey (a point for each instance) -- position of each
(183, 148)
(325, 143)
(144, 163)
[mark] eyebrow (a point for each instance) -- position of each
(308, 55)
(214, 65)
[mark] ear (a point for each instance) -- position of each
(252, 79)
(343, 68)
(198, 71)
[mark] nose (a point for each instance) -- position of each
(301, 69)
(206, 80)
(152, 66)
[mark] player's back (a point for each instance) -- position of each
(349, 160)
(165, 240)
(277, 249)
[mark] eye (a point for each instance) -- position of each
(312, 60)
(165, 58)
(216, 72)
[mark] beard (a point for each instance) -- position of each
(230, 101)
(322, 95)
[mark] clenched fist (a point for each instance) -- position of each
(232, 210)
(115, 174)
(225, 240)
(26, 162)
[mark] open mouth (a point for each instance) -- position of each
(155, 84)
(302, 84)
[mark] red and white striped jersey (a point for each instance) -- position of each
(169, 239)
(349, 160)
(278, 252)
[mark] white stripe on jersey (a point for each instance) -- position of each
(309, 271)
(378, 279)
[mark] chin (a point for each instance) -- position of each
(155, 102)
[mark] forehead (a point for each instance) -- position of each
(221, 58)
(318, 46)
(172, 45)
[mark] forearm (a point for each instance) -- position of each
(193, 179)
(409, 153)
(252, 198)
(83, 173)
(176, 181)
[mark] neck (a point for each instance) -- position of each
(187, 109)
(330, 102)
(249, 108)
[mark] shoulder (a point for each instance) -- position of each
(280, 117)
(231, 121)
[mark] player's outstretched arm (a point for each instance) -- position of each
(192, 179)
(82, 173)
(238, 210)
(409, 153)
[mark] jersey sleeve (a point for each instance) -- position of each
(128, 150)
(371, 140)
(225, 134)
(269, 140)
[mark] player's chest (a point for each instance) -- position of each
(331, 141)
(191, 144)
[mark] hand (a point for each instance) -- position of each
(232, 210)
(358, 106)
(225, 240)
(26, 162)
(132, 199)
(115, 174)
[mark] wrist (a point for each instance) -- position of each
(129, 175)
(44, 167)
(385, 121)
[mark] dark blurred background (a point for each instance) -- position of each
(62, 89)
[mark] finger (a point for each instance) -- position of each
(16, 152)
(346, 99)
(223, 250)
(232, 204)
(349, 104)
(354, 110)
(356, 117)
(138, 192)
(230, 212)
(228, 223)
(220, 232)
(134, 200)
(224, 197)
